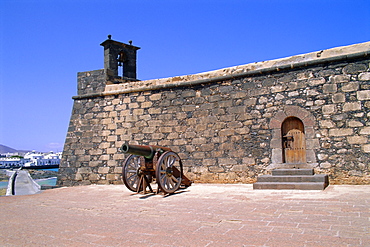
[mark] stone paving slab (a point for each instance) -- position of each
(202, 215)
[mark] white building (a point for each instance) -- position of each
(32, 159)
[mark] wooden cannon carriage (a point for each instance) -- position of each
(146, 163)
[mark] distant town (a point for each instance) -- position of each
(28, 159)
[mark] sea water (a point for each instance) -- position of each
(46, 181)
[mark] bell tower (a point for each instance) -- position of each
(119, 61)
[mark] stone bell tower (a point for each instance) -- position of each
(119, 61)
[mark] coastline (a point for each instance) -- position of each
(42, 177)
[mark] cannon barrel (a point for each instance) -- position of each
(146, 151)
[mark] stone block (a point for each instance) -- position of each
(322, 156)
(350, 87)
(365, 131)
(112, 177)
(249, 161)
(330, 88)
(293, 94)
(341, 132)
(304, 75)
(329, 109)
(83, 170)
(237, 109)
(94, 177)
(208, 177)
(353, 123)
(226, 132)
(173, 135)
(277, 155)
(95, 151)
(133, 105)
(103, 170)
(138, 112)
(146, 104)
(165, 130)
(78, 176)
(140, 98)
(366, 148)
(95, 163)
(112, 126)
(80, 151)
(353, 106)
(339, 78)
(239, 168)
(104, 157)
(325, 165)
(353, 68)
(363, 95)
(199, 140)
(250, 102)
(198, 155)
(118, 156)
(327, 124)
(216, 169)
(104, 145)
(112, 150)
(338, 98)
(364, 76)
(155, 110)
(112, 138)
(357, 139)
(226, 161)
(118, 169)
(312, 92)
(277, 89)
(316, 81)
(155, 97)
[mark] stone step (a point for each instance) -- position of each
(312, 178)
(292, 172)
(290, 186)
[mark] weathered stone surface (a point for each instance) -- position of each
(353, 106)
(364, 76)
(350, 87)
(363, 95)
(365, 131)
(228, 130)
(357, 139)
(340, 132)
(366, 148)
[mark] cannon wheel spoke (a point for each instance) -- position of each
(130, 175)
(167, 178)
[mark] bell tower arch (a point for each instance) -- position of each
(119, 60)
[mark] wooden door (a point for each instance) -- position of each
(294, 142)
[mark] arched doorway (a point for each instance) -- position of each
(293, 141)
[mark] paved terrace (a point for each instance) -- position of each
(202, 215)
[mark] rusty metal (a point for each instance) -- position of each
(146, 163)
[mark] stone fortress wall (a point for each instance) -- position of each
(226, 125)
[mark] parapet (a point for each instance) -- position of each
(323, 56)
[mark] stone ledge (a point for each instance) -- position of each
(329, 55)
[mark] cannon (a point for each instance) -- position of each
(146, 163)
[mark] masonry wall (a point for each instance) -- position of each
(228, 131)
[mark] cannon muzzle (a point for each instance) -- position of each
(141, 150)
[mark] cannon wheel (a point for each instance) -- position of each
(169, 172)
(130, 173)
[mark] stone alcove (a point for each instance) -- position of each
(310, 143)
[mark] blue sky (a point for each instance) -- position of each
(44, 43)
